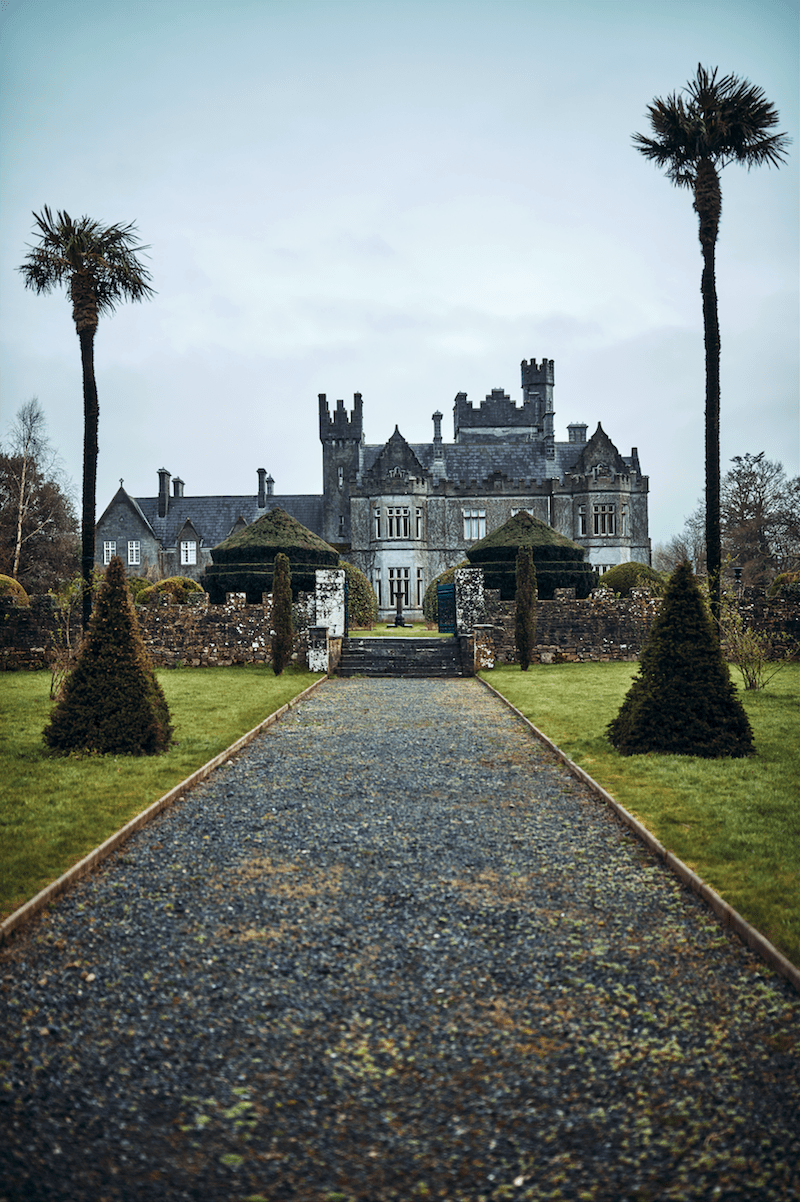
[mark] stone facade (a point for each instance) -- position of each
(403, 512)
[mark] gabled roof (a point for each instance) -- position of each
(478, 461)
(600, 455)
(215, 518)
(396, 458)
(121, 497)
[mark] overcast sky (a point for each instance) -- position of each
(397, 198)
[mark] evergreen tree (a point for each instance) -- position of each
(283, 629)
(525, 614)
(683, 701)
(111, 702)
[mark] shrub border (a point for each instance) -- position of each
(729, 917)
(76, 873)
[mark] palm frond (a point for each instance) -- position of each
(106, 257)
(725, 120)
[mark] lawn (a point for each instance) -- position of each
(736, 823)
(56, 809)
(384, 630)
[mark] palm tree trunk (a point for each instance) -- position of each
(708, 205)
(91, 413)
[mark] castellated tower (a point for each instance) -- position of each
(538, 380)
(341, 437)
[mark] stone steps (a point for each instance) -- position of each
(400, 657)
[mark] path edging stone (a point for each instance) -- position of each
(76, 873)
(725, 912)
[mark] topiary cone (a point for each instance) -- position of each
(683, 702)
(111, 702)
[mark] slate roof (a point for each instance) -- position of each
(215, 517)
(467, 461)
(464, 462)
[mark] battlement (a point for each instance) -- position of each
(536, 374)
(498, 410)
(338, 425)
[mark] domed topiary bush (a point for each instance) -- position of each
(9, 587)
(430, 602)
(626, 576)
(243, 562)
(559, 562)
(179, 588)
(362, 604)
(683, 701)
(111, 702)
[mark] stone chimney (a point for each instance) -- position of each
(177, 487)
(262, 490)
(163, 492)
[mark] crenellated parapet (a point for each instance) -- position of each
(339, 425)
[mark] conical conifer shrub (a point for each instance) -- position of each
(525, 610)
(111, 702)
(281, 613)
(683, 701)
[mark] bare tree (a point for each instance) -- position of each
(38, 523)
(760, 517)
(689, 545)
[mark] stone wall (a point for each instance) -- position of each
(604, 627)
(193, 635)
(596, 629)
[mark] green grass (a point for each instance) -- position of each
(55, 809)
(736, 823)
(382, 630)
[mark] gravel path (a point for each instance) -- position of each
(392, 951)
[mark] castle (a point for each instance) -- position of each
(405, 512)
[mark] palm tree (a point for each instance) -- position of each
(720, 121)
(100, 265)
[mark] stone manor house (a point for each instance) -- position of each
(404, 512)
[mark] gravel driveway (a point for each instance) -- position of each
(392, 951)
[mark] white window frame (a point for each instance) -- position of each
(188, 553)
(604, 520)
(418, 523)
(134, 552)
(420, 587)
(582, 521)
(474, 524)
(377, 512)
(109, 551)
(398, 523)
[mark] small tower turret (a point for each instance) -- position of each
(341, 436)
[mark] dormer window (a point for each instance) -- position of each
(188, 552)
